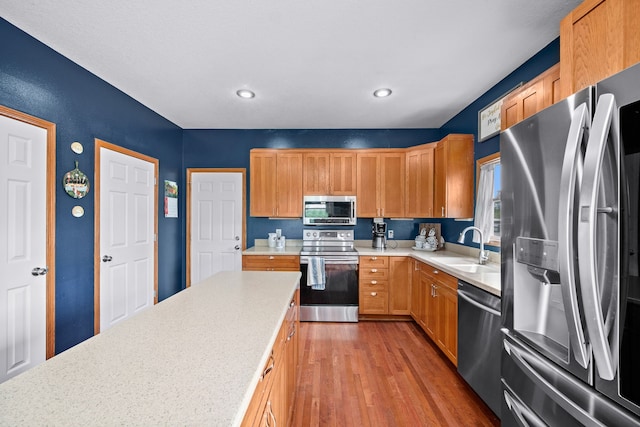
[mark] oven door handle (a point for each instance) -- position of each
(332, 261)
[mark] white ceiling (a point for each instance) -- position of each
(312, 63)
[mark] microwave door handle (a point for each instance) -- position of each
(604, 352)
(571, 175)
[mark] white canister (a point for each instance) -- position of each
(271, 241)
(280, 243)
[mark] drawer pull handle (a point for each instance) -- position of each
(373, 258)
(374, 270)
(270, 367)
(271, 257)
(435, 271)
(373, 294)
(374, 282)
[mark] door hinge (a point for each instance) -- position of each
(155, 237)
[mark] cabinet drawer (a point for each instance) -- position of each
(263, 262)
(374, 261)
(374, 285)
(373, 273)
(374, 302)
(440, 276)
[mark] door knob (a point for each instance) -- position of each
(39, 271)
(237, 237)
(237, 247)
(106, 258)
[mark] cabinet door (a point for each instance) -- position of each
(416, 291)
(368, 201)
(289, 185)
(429, 314)
(400, 285)
(447, 301)
(440, 182)
(419, 183)
(263, 183)
(343, 174)
(598, 39)
(316, 168)
(392, 180)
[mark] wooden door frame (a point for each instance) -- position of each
(50, 128)
(96, 248)
(191, 171)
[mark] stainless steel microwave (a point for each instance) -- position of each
(329, 210)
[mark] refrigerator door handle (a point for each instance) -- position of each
(524, 416)
(571, 176)
(567, 404)
(604, 353)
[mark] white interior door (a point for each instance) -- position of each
(127, 236)
(216, 223)
(23, 232)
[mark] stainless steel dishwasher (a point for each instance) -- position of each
(479, 343)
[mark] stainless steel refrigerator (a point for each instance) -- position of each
(570, 270)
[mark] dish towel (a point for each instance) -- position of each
(316, 277)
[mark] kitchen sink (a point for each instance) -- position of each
(474, 268)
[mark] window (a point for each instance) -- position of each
(487, 215)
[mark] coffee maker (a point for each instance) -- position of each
(379, 231)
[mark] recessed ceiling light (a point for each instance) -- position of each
(245, 93)
(381, 93)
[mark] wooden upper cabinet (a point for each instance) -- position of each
(316, 173)
(262, 182)
(289, 185)
(532, 97)
(453, 177)
(368, 196)
(276, 183)
(343, 174)
(419, 183)
(380, 183)
(598, 39)
(329, 173)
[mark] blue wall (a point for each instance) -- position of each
(38, 81)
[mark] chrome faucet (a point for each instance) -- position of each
(482, 259)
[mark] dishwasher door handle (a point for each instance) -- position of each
(477, 304)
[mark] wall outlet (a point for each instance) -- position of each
(391, 234)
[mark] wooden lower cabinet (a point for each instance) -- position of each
(270, 263)
(434, 306)
(272, 401)
(385, 285)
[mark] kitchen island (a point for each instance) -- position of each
(193, 359)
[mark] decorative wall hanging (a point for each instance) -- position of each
(77, 148)
(489, 120)
(76, 183)
(77, 211)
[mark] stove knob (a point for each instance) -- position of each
(341, 234)
(308, 233)
(315, 234)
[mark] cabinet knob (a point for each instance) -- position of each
(373, 258)
(374, 282)
(373, 294)
(271, 257)
(374, 270)
(435, 272)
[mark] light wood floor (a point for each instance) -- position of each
(380, 374)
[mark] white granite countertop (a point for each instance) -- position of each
(464, 267)
(461, 265)
(193, 359)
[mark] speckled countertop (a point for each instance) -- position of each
(193, 359)
(460, 261)
(464, 267)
